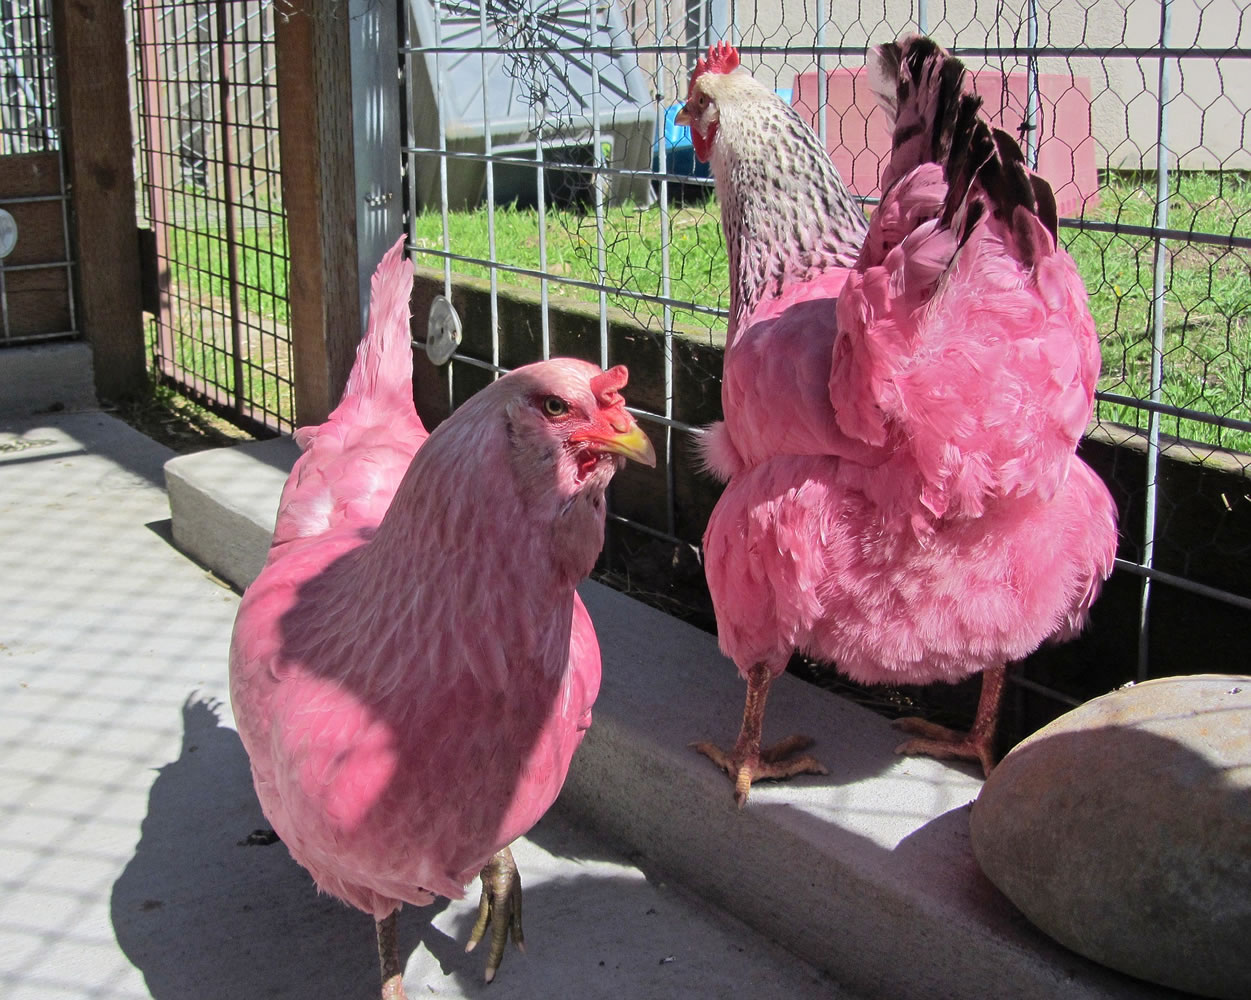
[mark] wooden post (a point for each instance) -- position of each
(318, 192)
(94, 106)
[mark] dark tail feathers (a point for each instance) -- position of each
(921, 87)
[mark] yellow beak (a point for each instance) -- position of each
(683, 117)
(621, 437)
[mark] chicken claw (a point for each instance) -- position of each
(774, 763)
(747, 762)
(499, 906)
(933, 740)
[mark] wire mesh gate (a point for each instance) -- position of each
(1137, 112)
(207, 158)
(36, 261)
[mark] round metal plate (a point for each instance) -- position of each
(443, 331)
(8, 233)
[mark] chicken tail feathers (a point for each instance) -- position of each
(934, 119)
(964, 334)
(353, 462)
(384, 358)
(921, 89)
(380, 386)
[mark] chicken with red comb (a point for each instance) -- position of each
(413, 670)
(902, 404)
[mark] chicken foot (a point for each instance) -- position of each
(747, 762)
(389, 958)
(933, 740)
(500, 907)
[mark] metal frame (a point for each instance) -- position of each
(669, 40)
(30, 123)
(207, 158)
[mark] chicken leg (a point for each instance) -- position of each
(389, 959)
(747, 762)
(499, 906)
(977, 744)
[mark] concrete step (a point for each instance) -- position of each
(866, 872)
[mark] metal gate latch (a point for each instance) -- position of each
(443, 331)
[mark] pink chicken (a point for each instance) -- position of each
(901, 414)
(412, 670)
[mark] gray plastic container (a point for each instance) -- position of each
(547, 90)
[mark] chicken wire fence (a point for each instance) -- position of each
(36, 257)
(543, 167)
(206, 127)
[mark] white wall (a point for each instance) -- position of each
(1209, 113)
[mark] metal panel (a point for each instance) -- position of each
(208, 164)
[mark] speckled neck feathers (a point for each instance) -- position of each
(785, 211)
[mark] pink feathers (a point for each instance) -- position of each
(412, 670)
(353, 463)
(904, 499)
(965, 342)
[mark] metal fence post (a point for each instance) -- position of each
(375, 135)
(1158, 295)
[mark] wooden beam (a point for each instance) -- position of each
(319, 195)
(94, 106)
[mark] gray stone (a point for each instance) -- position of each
(1123, 830)
(223, 503)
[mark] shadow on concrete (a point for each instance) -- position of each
(95, 433)
(204, 917)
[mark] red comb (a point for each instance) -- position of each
(605, 385)
(722, 58)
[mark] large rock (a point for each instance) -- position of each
(1123, 830)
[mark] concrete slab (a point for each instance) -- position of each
(124, 793)
(42, 377)
(223, 503)
(867, 873)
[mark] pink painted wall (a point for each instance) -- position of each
(859, 143)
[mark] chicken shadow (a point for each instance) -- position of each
(203, 915)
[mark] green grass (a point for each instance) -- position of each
(1207, 303)
(199, 288)
(633, 256)
(1207, 343)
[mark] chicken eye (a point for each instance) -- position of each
(554, 406)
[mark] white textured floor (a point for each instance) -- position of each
(124, 793)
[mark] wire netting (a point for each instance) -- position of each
(206, 124)
(589, 197)
(37, 269)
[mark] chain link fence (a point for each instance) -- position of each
(554, 200)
